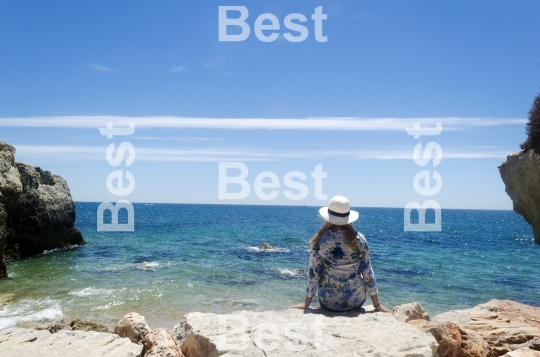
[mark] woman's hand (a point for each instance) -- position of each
(304, 306)
(381, 308)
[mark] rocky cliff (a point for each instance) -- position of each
(521, 176)
(37, 212)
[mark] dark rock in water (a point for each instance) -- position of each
(37, 212)
(45, 213)
(86, 325)
(3, 241)
(265, 246)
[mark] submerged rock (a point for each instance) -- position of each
(132, 326)
(37, 212)
(5, 298)
(506, 325)
(521, 176)
(266, 246)
(295, 332)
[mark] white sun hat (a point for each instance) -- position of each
(339, 211)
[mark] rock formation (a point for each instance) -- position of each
(506, 325)
(521, 173)
(454, 341)
(19, 342)
(266, 245)
(3, 239)
(295, 332)
(132, 326)
(521, 176)
(58, 325)
(160, 343)
(410, 311)
(37, 212)
(86, 325)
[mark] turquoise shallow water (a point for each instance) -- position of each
(184, 258)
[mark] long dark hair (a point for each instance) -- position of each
(350, 235)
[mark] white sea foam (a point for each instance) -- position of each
(28, 311)
(45, 252)
(271, 250)
(292, 272)
(90, 292)
(109, 305)
(132, 266)
(149, 264)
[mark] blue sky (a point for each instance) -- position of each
(67, 68)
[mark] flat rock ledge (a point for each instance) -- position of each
(295, 332)
(22, 342)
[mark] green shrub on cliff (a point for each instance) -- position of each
(533, 127)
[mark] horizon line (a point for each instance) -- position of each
(283, 205)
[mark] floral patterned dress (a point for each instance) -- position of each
(341, 274)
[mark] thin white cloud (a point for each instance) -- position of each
(87, 153)
(482, 147)
(55, 153)
(216, 62)
(187, 139)
(325, 123)
(100, 68)
(177, 69)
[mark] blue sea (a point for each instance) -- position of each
(183, 258)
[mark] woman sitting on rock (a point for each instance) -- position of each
(339, 263)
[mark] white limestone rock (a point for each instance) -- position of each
(133, 326)
(410, 311)
(524, 352)
(21, 342)
(299, 333)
